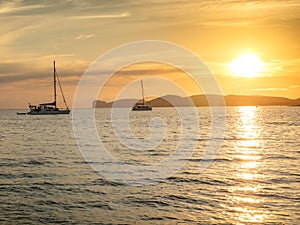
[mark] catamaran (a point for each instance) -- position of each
(48, 108)
(141, 106)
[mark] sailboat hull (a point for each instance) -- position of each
(142, 108)
(49, 112)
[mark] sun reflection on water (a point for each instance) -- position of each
(245, 205)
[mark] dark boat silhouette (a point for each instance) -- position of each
(140, 106)
(49, 108)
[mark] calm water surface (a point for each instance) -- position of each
(254, 179)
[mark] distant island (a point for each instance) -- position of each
(201, 100)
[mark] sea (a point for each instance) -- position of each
(248, 174)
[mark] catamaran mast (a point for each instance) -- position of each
(143, 92)
(54, 76)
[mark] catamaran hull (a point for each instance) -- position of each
(56, 112)
(141, 109)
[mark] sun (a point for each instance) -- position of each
(248, 65)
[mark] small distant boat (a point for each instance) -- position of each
(48, 108)
(141, 106)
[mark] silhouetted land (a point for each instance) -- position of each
(204, 100)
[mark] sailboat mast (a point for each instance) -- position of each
(143, 92)
(54, 83)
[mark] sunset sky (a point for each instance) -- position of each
(76, 32)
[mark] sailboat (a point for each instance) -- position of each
(49, 108)
(141, 106)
